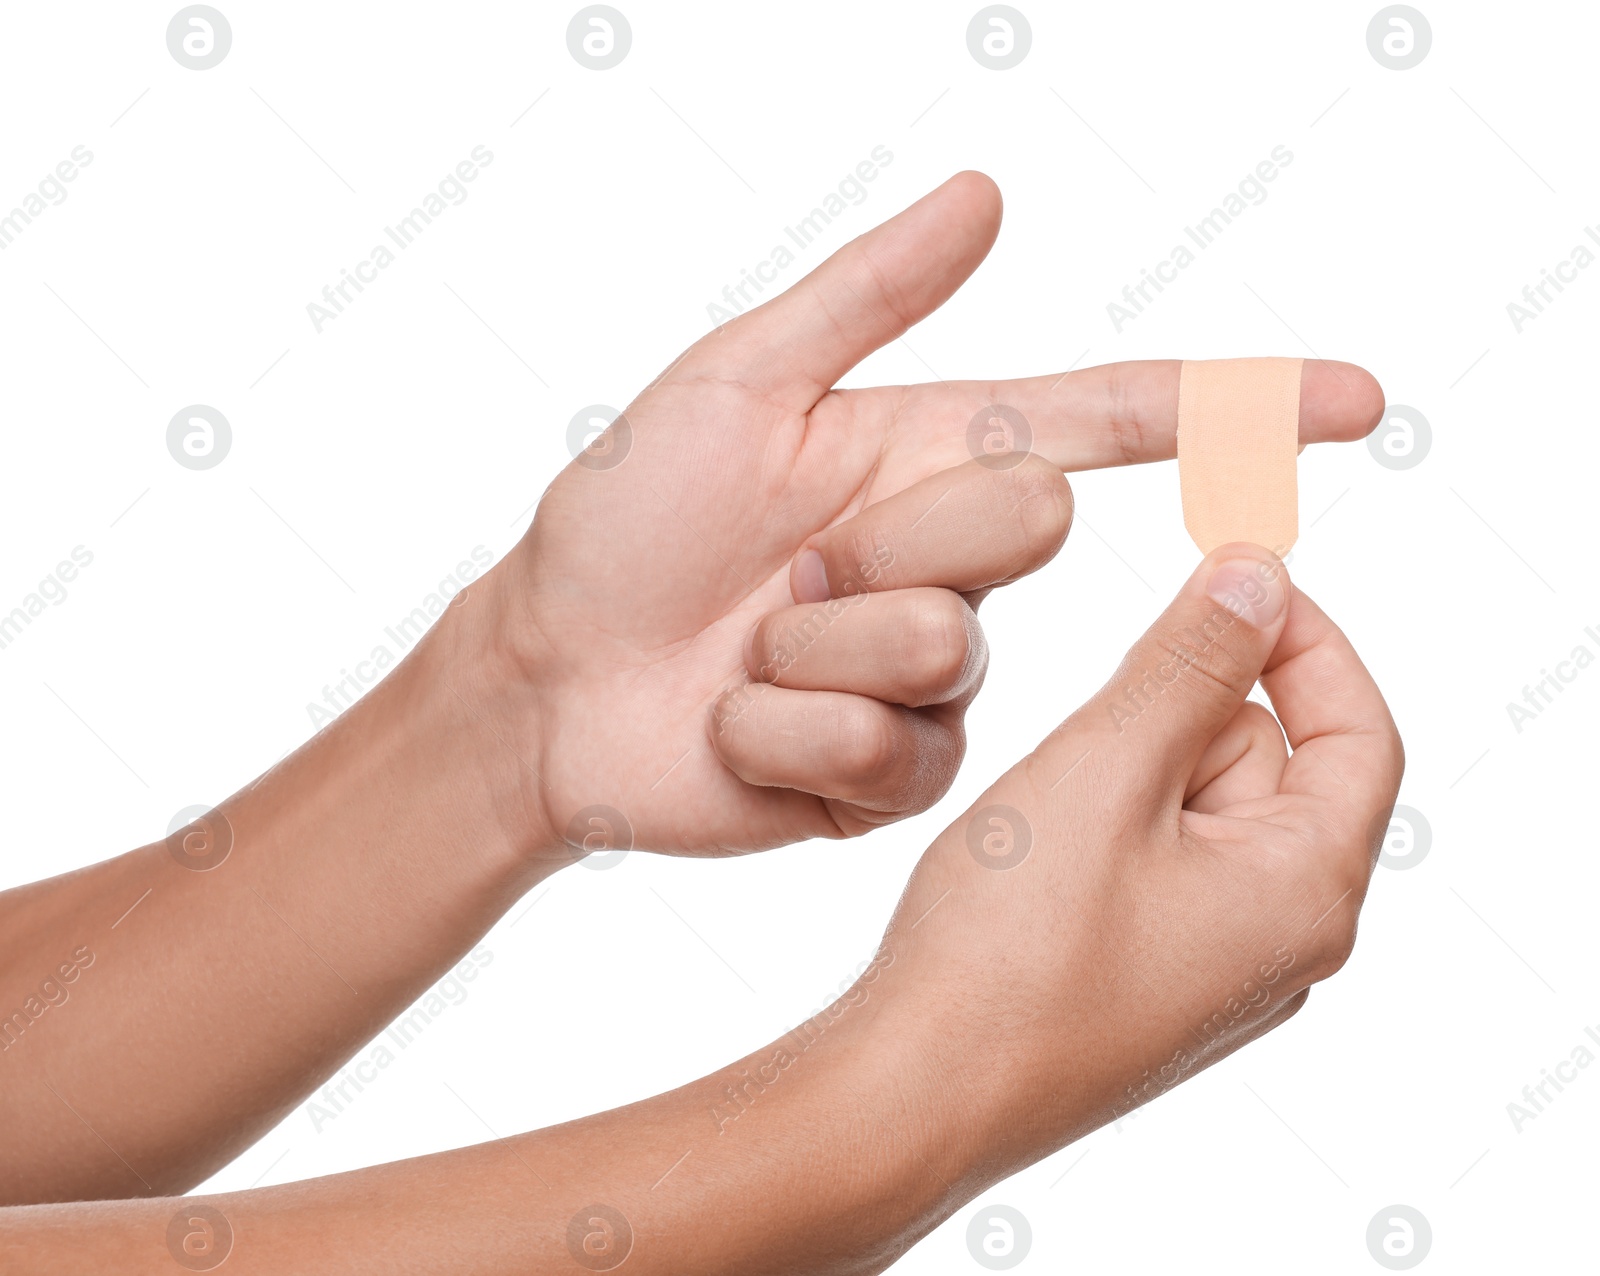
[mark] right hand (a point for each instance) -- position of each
(1186, 877)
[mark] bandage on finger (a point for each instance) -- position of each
(1238, 439)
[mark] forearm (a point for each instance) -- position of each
(829, 1151)
(218, 977)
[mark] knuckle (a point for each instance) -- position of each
(931, 782)
(1293, 1006)
(1122, 396)
(859, 560)
(1334, 950)
(939, 639)
(1219, 648)
(1395, 755)
(1200, 660)
(1338, 870)
(782, 640)
(888, 285)
(1042, 500)
(1256, 718)
(1329, 878)
(866, 748)
(1260, 726)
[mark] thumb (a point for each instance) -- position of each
(795, 346)
(1193, 668)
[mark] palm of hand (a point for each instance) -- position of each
(645, 579)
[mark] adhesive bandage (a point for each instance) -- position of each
(1238, 440)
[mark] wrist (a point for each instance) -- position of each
(437, 765)
(984, 1100)
(949, 1123)
(911, 1146)
(839, 1126)
(476, 692)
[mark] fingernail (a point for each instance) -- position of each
(1251, 588)
(810, 578)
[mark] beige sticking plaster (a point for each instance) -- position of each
(1238, 439)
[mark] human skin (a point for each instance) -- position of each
(645, 648)
(1166, 881)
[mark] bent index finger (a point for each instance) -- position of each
(1127, 413)
(1346, 746)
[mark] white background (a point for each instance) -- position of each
(1418, 204)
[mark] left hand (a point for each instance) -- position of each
(633, 595)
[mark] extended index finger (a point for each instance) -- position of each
(1118, 413)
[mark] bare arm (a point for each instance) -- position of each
(172, 1004)
(810, 1170)
(167, 1007)
(1159, 883)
